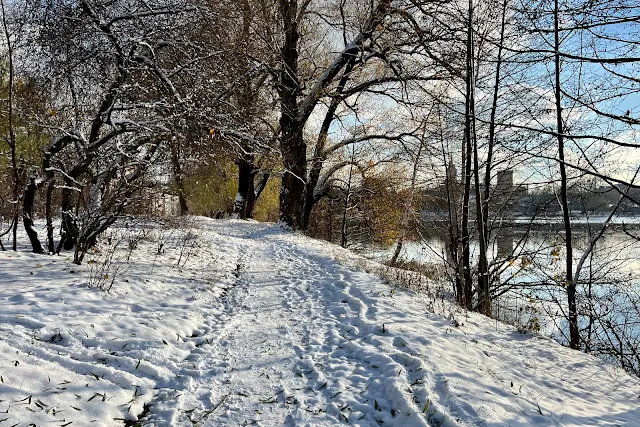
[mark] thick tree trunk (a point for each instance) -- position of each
(27, 216)
(294, 115)
(248, 190)
(257, 189)
(574, 333)
(293, 147)
(292, 194)
(245, 197)
(54, 147)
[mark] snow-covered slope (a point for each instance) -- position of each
(239, 323)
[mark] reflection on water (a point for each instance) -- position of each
(504, 244)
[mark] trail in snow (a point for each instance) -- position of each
(266, 327)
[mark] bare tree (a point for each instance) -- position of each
(340, 77)
(10, 139)
(110, 130)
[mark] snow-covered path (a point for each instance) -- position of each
(242, 323)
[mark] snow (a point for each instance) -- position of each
(226, 323)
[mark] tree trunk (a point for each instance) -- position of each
(245, 197)
(261, 185)
(330, 231)
(343, 230)
(257, 190)
(492, 129)
(248, 192)
(293, 189)
(49, 216)
(574, 333)
(484, 299)
(27, 216)
(451, 189)
(12, 136)
(343, 236)
(69, 227)
(16, 194)
(294, 157)
(177, 176)
(294, 115)
(454, 243)
(293, 147)
(466, 162)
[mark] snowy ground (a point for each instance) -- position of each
(238, 323)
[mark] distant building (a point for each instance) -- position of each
(452, 172)
(504, 181)
(506, 196)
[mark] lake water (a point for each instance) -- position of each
(527, 269)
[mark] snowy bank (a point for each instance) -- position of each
(226, 323)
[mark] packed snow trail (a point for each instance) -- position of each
(234, 323)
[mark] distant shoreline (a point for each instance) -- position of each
(553, 222)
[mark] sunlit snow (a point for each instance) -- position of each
(227, 323)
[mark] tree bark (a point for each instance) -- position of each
(260, 186)
(256, 190)
(27, 216)
(294, 149)
(295, 115)
(246, 196)
(292, 194)
(484, 298)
